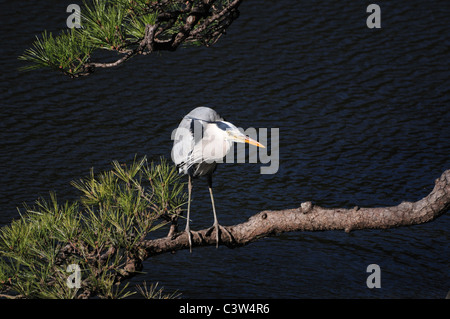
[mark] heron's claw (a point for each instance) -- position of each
(191, 234)
(218, 229)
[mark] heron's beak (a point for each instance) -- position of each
(253, 142)
(241, 138)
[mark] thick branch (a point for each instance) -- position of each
(309, 217)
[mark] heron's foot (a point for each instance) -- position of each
(189, 234)
(219, 229)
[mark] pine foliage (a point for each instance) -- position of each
(117, 210)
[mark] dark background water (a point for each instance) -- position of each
(363, 117)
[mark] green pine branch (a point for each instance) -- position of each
(68, 52)
(130, 27)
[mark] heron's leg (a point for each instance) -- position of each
(187, 230)
(216, 222)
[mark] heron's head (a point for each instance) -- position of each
(233, 134)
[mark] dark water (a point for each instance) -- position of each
(363, 117)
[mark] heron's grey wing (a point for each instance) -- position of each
(189, 133)
(187, 147)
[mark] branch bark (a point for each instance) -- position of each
(310, 217)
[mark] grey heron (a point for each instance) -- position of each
(201, 140)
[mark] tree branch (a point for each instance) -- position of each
(147, 42)
(112, 64)
(168, 24)
(309, 217)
